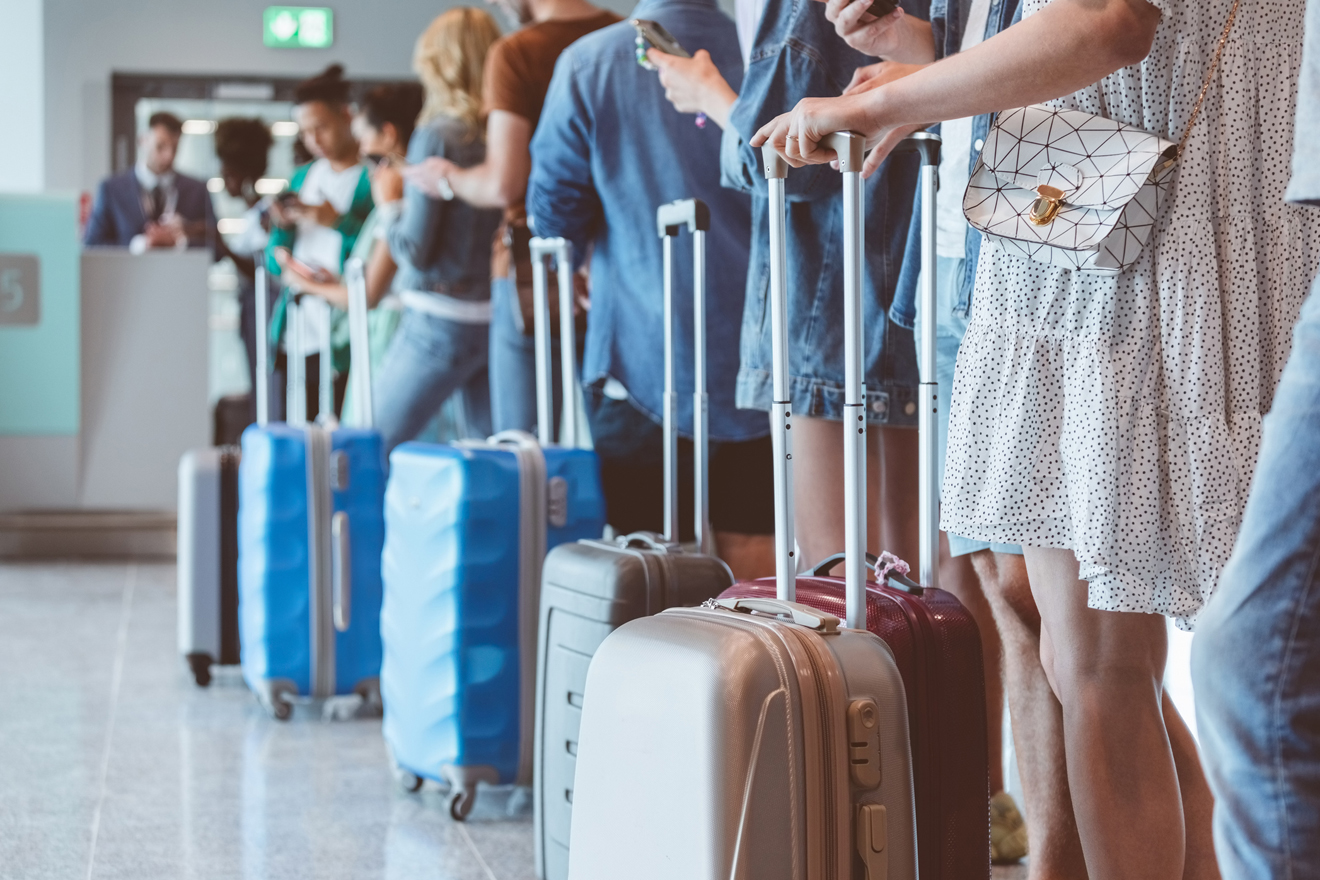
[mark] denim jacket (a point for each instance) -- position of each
(946, 19)
(608, 151)
(443, 246)
(796, 54)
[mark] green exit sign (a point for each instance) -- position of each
(298, 27)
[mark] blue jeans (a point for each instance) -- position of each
(1256, 656)
(429, 359)
(950, 328)
(513, 363)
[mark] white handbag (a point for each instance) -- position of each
(1073, 190)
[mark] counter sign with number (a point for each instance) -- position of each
(298, 27)
(20, 289)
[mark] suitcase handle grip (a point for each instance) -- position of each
(800, 614)
(341, 578)
(647, 540)
(896, 580)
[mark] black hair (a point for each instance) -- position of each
(167, 121)
(398, 104)
(242, 145)
(328, 86)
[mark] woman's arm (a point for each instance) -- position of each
(379, 273)
(1068, 45)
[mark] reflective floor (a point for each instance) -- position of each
(113, 764)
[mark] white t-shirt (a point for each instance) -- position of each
(956, 155)
(320, 246)
(317, 245)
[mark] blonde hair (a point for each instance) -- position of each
(450, 60)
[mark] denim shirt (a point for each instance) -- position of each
(947, 25)
(796, 54)
(443, 246)
(608, 151)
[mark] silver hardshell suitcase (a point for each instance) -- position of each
(590, 588)
(207, 542)
(751, 738)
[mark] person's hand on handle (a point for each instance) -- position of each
(797, 135)
(896, 36)
(695, 85)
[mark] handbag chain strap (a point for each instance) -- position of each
(1205, 86)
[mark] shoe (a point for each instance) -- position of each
(1008, 831)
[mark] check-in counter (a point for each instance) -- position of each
(103, 366)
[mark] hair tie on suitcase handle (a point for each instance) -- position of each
(892, 571)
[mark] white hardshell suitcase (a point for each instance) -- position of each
(750, 738)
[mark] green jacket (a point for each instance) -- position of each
(349, 227)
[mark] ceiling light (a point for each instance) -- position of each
(198, 126)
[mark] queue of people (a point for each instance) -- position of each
(1100, 441)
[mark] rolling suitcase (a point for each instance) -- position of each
(590, 588)
(934, 639)
(468, 528)
(311, 529)
(751, 737)
(207, 548)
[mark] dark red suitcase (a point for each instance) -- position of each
(938, 651)
(935, 642)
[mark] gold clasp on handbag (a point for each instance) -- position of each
(1044, 209)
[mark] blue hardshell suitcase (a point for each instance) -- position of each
(468, 527)
(310, 534)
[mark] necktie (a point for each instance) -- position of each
(157, 203)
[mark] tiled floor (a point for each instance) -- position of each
(113, 764)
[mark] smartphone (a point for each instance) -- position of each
(881, 8)
(655, 34)
(286, 197)
(375, 160)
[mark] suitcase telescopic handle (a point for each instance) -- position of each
(561, 249)
(776, 170)
(850, 149)
(670, 220)
(261, 294)
(341, 571)
(802, 615)
(927, 145)
(359, 341)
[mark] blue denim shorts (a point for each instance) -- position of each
(950, 327)
(815, 333)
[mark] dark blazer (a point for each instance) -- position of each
(117, 215)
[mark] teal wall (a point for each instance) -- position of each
(39, 365)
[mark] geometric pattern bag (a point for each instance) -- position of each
(1073, 190)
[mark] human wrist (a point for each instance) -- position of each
(718, 100)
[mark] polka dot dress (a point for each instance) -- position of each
(1119, 416)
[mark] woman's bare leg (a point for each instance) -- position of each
(891, 489)
(1107, 671)
(1056, 850)
(1198, 802)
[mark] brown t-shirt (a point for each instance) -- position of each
(518, 72)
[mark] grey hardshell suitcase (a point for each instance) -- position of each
(751, 738)
(207, 542)
(590, 588)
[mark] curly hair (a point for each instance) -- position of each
(242, 146)
(450, 60)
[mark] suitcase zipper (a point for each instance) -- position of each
(826, 714)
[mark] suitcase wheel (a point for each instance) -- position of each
(409, 782)
(460, 803)
(200, 666)
(274, 697)
(372, 706)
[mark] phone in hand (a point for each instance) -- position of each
(654, 33)
(881, 8)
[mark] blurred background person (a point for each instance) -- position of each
(597, 179)
(243, 146)
(382, 126)
(318, 220)
(151, 205)
(517, 75)
(442, 247)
